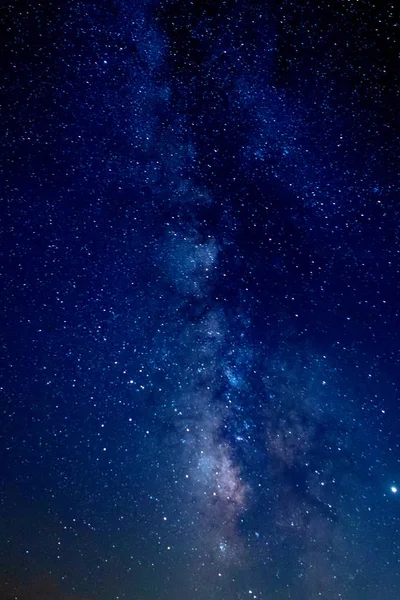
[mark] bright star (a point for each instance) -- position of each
(393, 489)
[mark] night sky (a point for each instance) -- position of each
(200, 301)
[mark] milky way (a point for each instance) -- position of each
(200, 301)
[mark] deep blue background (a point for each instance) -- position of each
(199, 267)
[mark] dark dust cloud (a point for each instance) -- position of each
(200, 307)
